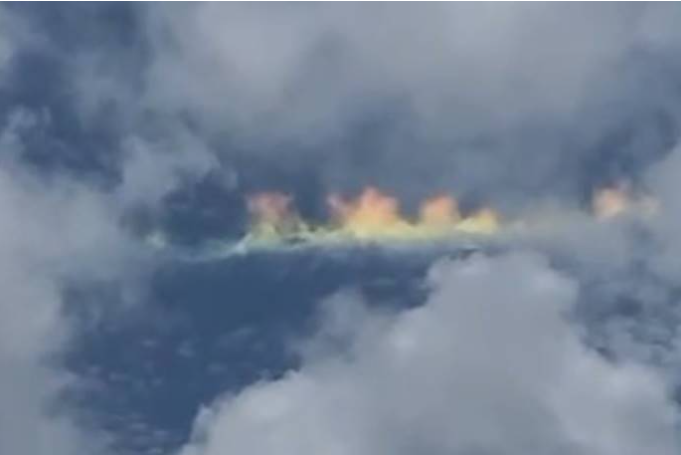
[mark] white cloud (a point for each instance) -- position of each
(633, 273)
(488, 365)
(50, 231)
(15, 35)
(153, 170)
(264, 61)
(504, 101)
(6, 40)
(664, 181)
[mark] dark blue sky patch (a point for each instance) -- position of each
(213, 328)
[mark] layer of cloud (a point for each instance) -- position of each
(52, 232)
(489, 364)
(14, 36)
(152, 170)
(509, 101)
(482, 61)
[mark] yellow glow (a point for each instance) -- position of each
(484, 221)
(273, 218)
(374, 216)
(440, 212)
(616, 201)
(610, 202)
(371, 216)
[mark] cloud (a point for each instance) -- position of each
(631, 271)
(263, 59)
(153, 169)
(490, 364)
(52, 232)
(12, 32)
(507, 101)
(664, 182)
(510, 103)
(15, 35)
(5, 48)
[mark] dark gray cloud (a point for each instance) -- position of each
(504, 101)
(51, 232)
(118, 120)
(509, 104)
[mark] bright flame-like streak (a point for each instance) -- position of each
(371, 217)
(374, 217)
(274, 217)
(612, 202)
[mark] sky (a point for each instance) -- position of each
(133, 138)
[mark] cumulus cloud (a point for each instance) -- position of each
(12, 32)
(509, 101)
(152, 170)
(664, 182)
(490, 364)
(51, 232)
(477, 57)
(631, 271)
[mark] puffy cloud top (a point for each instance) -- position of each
(490, 364)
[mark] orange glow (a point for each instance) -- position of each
(374, 216)
(269, 207)
(440, 212)
(610, 202)
(616, 201)
(273, 217)
(371, 216)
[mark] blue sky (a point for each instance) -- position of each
(122, 120)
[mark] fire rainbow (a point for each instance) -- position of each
(374, 218)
